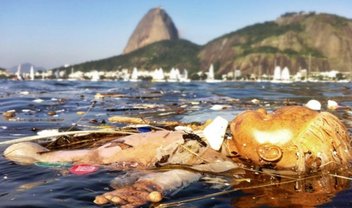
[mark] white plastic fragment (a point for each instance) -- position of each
(184, 128)
(332, 105)
(255, 101)
(99, 96)
(38, 100)
(215, 132)
(24, 93)
(314, 105)
(48, 132)
(218, 107)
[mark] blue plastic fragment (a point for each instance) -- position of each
(144, 129)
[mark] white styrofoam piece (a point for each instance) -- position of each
(215, 132)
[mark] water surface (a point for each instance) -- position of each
(54, 105)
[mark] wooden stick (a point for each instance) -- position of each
(38, 137)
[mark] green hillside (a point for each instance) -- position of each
(320, 42)
(166, 54)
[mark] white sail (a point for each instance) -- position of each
(174, 75)
(134, 75)
(184, 76)
(210, 75)
(95, 76)
(285, 74)
(277, 73)
(158, 75)
(31, 73)
(18, 73)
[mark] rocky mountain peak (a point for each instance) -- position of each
(155, 26)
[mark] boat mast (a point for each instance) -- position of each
(309, 65)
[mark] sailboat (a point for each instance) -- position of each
(277, 74)
(31, 73)
(158, 75)
(18, 73)
(281, 76)
(95, 76)
(134, 75)
(285, 75)
(184, 76)
(174, 75)
(211, 75)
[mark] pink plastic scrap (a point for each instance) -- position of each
(83, 169)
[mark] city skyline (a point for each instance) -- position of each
(54, 33)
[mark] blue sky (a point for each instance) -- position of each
(52, 33)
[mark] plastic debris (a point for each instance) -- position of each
(314, 105)
(144, 129)
(38, 100)
(255, 101)
(124, 119)
(215, 132)
(83, 169)
(24, 93)
(184, 129)
(53, 164)
(332, 105)
(98, 96)
(26, 110)
(48, 132)
(9, 114)
(51, 113)
(219, 107)
(80, 113)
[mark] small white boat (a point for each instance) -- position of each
(18, 73)
(281, 76)
(95, 76)
(31, 73)
(158, 75)
(134, 75)
(211, 75)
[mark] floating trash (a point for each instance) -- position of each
(314, 105)
(144, 129)
(219, 107)
(215, 132)
(255, 101)
(26, 110)
(51, 113)
(24, 93)
(48, 132)
(83, 169)
(38, 100)
(186, 129)
(53, 164)
(9, 114)
(80, 113)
